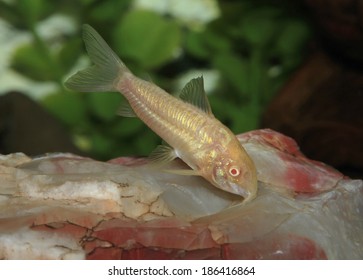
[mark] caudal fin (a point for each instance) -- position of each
(107, 68)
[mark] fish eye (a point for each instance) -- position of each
(234, 171)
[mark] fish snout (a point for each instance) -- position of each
(243, 184)
(247, 192)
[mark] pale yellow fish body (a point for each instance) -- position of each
(195, 135)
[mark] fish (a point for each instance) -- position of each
(185, 121)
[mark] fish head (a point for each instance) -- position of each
(233, 171)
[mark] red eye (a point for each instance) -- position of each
(234, 171)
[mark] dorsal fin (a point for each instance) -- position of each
(193, 93)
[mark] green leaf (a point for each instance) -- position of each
(126, 127)
(293, 36)
(108, 10)
(146, 142)
(102, 146)
(238, 116)
(234, 69)
(33, 10)
(195, 44)
(216, 41)
(87, 2)
(67, 107)
(260, 25)
(69, 54)
(104, 105)
(147, 37)
(10, 14)
(29, 61)
(245, 118)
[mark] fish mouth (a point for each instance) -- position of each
(245, 193)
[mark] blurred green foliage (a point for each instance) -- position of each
(253, 45)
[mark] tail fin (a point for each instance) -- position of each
(107, 68)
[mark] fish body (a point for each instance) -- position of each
(185, 123)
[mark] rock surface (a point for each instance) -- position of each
(63, 206)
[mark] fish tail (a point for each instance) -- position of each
(107, 70)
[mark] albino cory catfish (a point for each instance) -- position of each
(186, 122)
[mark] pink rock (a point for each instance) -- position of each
(279, 162)
(275, 247)
(123, 209)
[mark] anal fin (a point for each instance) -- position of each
(125, 110)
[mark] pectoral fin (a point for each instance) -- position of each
(184, 172)
(162, 155)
